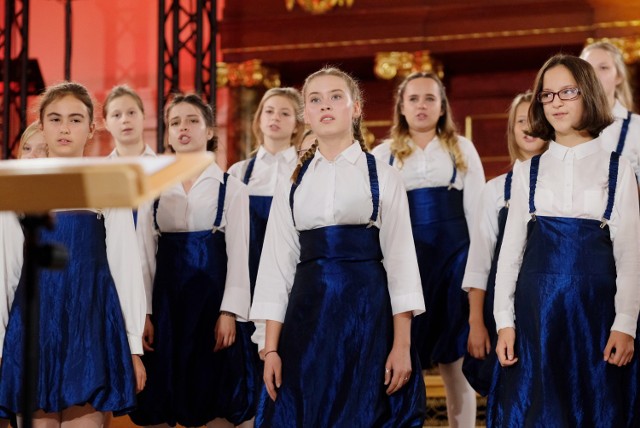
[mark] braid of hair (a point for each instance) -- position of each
(358, 134)
(308, 155)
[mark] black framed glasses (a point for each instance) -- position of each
(566, 94)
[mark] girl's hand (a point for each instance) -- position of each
(225, 332)
(139, 372)
(272, 373)
(147, 334)
(478, 344)
(504, 347)
(397, 369)
(619, 349)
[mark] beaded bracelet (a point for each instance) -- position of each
(267, 353)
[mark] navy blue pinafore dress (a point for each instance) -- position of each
(84, 352)
(441, 238)
(337, 335)
(564, 308)
(188, 383)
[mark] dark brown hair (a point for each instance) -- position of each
(61, 90)
(206, 110)
(596, 115)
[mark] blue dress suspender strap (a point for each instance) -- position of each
(613, 177)
(249, 171)
(623, 133)
(507, 188)
(373, 182)
(533, 179)
(453, 176)
(218, 219)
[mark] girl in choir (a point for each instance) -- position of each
(32, 143)
(623, 135)
(92, 311)
(486, 237)
(566, 295)
(194, 242)
(338, 281)
(277, 128)
(123, 112)
(443, 175)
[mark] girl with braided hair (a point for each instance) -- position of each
(338, 281)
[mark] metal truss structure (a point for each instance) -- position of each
(182, 32)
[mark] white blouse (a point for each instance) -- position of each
(331, 193)
(573, 182)
(122, 256)
(484, 234)
(433, 167)
(195, 211)
(148, 152)
(266, 170)
(609, 137)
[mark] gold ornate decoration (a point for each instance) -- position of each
(318, 6)
(629, 46)
(486, 35)
(389, 65)
(248, 74)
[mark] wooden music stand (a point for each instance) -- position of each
(37, 186)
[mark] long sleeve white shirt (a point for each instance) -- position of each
(194, 211)
(484, 234)
(267, 169)
(433, 167)
(332, 193)
(122, 256)
(611, 134)
(573, 182)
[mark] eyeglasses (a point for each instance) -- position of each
(567, 94)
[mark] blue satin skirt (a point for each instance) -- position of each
(84, 353)
(259, 207)
(442, 244)
(336, 337)
(187, 383)
(480, 373)
(564, 308)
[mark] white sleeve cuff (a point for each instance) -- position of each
(413, 302)
(268, 311)
(474, 280)
(135, 344)
(625, 324)
(504, 319)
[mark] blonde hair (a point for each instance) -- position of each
(515, 153)
(623, 89)
(445, 128)
(356, 95)
(292, 95)
(121, 91)
(29, 132)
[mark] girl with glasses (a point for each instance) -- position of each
(486, 238)
(566, 296)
